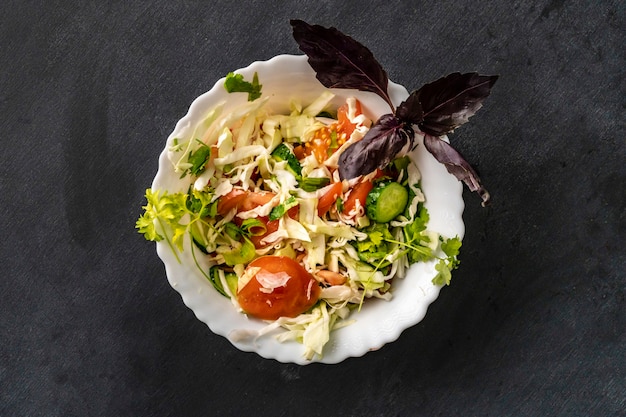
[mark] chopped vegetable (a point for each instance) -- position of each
(327, 200)
(283, 153)
(199, 158)
(280, 210)
(357, 198)
(386, 201)
(310, 184)
(277, 287)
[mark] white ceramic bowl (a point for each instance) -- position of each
(379, 322)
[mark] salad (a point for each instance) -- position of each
(287, 238)
(286, 220)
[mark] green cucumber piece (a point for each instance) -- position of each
(283, 153)
(386, 201)
(214, 279)
(198, 238)
(232, 281)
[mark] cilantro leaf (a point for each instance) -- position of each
(280, 210)
(444, 267)
(235, 83)
(376, 237)
(165, 210)
(199, 158)
(414, 237)
(199, 203)
(444, 276)
(376, 246)
(451, 247)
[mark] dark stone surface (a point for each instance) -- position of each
(533, 323)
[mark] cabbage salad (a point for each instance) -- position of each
(288, 240)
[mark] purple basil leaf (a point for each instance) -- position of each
(449, 102)
(380, 145)
(410, 110)
(340, 61)
(456, 165)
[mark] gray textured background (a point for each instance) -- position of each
(533, 323)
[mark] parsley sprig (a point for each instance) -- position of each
(168, 211)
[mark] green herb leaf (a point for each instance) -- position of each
(376, 247)
(199, 203)
(199, 158)
(444, 276)
(146, 227)
(165, 210)
(445, 266)
(451, 247)
(280, 210)
(413, 237)
(339, 203)
(235, 83)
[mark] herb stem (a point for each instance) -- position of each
(419, 249)
(169, 242)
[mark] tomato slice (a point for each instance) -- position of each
(253, 200)
(229, 201)
(330, 138)
(327, 200)
(280, 288)
(242, 200)
(343, 121)
(300, 152)
(359, 193)
(320, 143)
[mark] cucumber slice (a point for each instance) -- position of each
(198, 238)
(230, 277)
(232, 281)
(283, 153)
(386, 201)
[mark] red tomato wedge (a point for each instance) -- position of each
(280, 288)
(230, 201)
(359, 193)
(330, 138)
(327, 200)
(344, 123)
(253, 200)
(242, 200)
